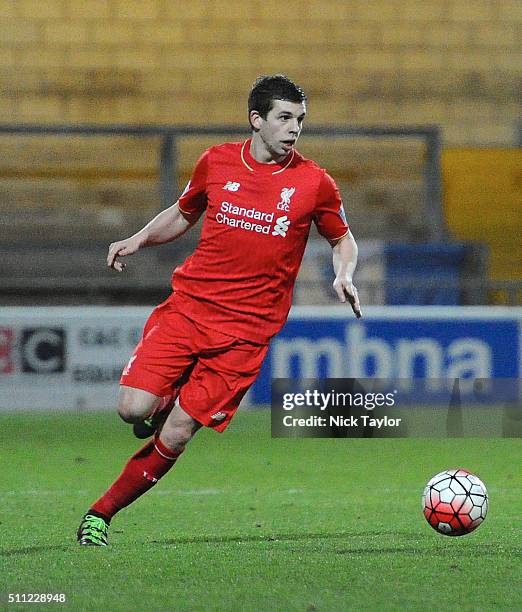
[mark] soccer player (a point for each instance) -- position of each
(203, 347)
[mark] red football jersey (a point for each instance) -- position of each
(240, 278)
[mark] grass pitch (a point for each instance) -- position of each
(246, 522)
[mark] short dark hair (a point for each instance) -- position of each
(266, 89)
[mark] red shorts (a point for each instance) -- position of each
(212, 370)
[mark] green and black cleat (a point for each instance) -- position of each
(93, 531)
(147, 428)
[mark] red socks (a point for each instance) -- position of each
(141, 473)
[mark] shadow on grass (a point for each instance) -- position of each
(424, 544)
(274, 537)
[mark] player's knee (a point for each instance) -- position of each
(129, 413)
(133, 406)
(176, 438)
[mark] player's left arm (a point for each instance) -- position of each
(332, 224)
(344, 263)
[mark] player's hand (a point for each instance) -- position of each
(347, 292)
(122, 248)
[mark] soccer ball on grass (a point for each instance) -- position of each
(455, 502)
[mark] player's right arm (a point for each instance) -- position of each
(171, 222)
(165, 227)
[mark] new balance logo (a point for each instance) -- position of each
(281, 226)
(231, 186)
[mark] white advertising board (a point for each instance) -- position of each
(63, 358)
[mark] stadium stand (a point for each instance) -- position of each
(152, 62)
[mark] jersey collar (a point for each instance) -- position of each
(254, 166)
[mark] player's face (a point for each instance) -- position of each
(280, 130)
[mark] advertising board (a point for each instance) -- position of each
(72, 357)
